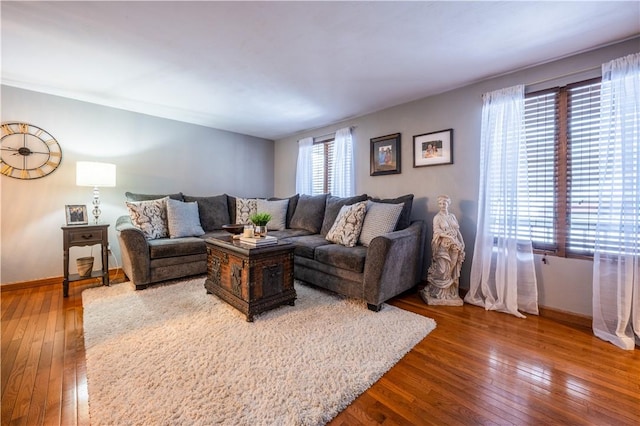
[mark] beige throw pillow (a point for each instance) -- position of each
(150, 217)
(346, 229)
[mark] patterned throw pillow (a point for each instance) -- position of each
(333, 206)
(245, 208)
(346, 229)
(183, 219)
(405, 217)
(150, 217)
(380, 219)
(278, 212)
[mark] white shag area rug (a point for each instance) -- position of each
(175, 355)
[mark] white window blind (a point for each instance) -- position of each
(583, 145)
(541, 116)
(322, 161)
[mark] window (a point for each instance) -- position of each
(562, 138)
(325, 164)
(322, 165)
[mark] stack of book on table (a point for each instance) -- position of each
(258, 241)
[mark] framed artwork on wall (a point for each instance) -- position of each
(385, 155)
(432, 149)
(76, 214)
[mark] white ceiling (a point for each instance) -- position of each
(271, 69)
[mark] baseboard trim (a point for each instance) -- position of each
(113, 274)
(564, 317)
(570, 318)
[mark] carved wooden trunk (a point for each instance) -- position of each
(252, 280)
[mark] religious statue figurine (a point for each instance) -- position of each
(447, 254)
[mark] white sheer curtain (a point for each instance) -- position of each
(616, 267)
(304, 169)
(343, 181)
(502, 271)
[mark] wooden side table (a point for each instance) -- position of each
(85, 235)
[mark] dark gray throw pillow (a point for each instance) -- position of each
(309, 213)
(213, 211)
(146, 197)
(334, 204)
(405, 216)
(231, 204)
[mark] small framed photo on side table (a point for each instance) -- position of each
(76, 214)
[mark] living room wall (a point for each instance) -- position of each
(564, 284)
(152, 155)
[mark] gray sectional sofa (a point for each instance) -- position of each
(390, 265)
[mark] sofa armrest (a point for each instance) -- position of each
(393, 263)
(134, 250)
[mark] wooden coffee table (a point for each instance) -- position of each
(251, 279)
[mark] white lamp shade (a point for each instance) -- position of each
(90, 173)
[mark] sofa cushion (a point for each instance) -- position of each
(350, 258)
(277, 210)
(213, 211)
(348, 225)
(150, 217)
(380, 219)
(288, 233)
(145, 197)
(340, 280)
(309, 213)
(183, 219)
(405, 216)
(215, 234)
(167, 247)
(293, 202)
(305, 245)
(245, 208)
(333, 206)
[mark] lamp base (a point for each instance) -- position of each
(96, 204)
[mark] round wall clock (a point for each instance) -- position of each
(28, 152)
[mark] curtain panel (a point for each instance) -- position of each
(304, 169)
(343, 182)
(502, 271)
(616, 267)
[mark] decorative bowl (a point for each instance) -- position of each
(233, 228)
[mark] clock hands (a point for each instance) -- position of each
(23, 151)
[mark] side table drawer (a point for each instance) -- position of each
(85, 236)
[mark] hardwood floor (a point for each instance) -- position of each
(476, 367)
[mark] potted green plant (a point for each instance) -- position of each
(260, 221)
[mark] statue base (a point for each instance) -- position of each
(440, 302)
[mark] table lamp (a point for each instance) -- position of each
(94, 174)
